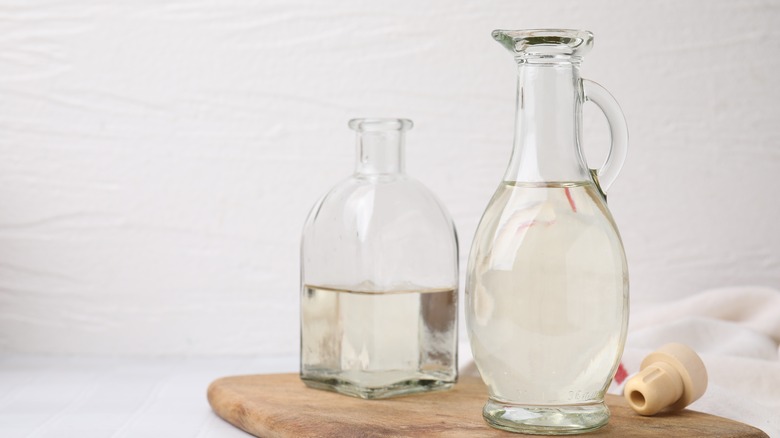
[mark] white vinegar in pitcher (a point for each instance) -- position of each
(548, 291)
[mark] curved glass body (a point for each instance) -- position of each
(547, 280)
(379, 278)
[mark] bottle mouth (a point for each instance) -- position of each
(380, 124)
(545, 43)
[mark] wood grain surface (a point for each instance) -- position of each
(280, 405)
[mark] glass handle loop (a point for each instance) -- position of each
(618, 128)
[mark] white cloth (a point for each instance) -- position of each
(736, 331)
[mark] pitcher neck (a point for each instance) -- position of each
(380, 145)
(547, 123)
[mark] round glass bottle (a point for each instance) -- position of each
(379, 278)
(547, 279)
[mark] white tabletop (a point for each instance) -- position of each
(85, 397)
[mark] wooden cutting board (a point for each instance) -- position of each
(280, 405)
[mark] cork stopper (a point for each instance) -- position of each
(670, 378)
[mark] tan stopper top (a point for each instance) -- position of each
(672, 377)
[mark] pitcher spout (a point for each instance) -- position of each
(545, 44)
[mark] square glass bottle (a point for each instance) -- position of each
(379, 278)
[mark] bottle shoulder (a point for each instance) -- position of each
(400, 191)
(386, 203)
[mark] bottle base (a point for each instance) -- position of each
(406, 387)
(546, 420)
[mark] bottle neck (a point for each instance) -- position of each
(380, 152)
(547, 124)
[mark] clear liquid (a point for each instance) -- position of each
(547, 292)
(378, 344)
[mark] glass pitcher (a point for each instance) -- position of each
(379, 278)
(547, 279)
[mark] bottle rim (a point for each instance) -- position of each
(380, 124)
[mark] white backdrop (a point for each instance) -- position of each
(158, 158)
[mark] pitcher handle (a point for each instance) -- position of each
(605, 175)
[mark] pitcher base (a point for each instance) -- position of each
(545, 420)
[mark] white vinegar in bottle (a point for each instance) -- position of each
(379, 278)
